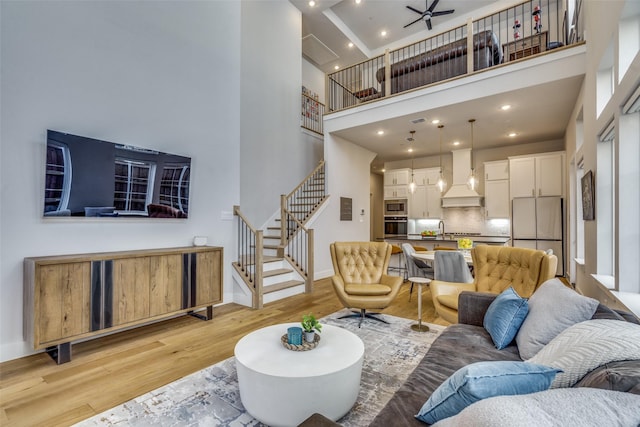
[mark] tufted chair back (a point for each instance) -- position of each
(498, 267)
(361, 262)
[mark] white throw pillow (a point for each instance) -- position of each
(560, 407)
(552, 309)
(583, 347)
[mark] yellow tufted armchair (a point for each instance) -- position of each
(496, 268)
(361, 279)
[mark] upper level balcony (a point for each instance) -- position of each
(510, 36)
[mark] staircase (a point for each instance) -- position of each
(278, 262)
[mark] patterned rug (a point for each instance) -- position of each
(211, 397)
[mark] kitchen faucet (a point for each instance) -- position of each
(441, 223)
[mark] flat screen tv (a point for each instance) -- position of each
(90, 177)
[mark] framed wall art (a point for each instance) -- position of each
(588, 197)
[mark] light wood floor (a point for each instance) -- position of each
(108, 371)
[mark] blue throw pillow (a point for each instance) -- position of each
(504, 317)
(481, 380)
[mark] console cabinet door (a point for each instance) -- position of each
(131, 289)
(208, 278)
(165, 292)
(62, 307)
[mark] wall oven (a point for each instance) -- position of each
(395, 226)
(395, 207)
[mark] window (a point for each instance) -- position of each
(58, 177)
(174, 187)
(133, 185)
(605, 206)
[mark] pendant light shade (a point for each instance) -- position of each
(442, 183)
(412, 184)
(472, 181)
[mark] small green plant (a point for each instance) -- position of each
(309, 323)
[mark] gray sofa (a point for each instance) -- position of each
(441, 63)
(468, 342)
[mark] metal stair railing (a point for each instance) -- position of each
(296, 209)
(250, 258)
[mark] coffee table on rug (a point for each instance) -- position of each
(282, 387)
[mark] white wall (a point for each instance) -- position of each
(347, 176)
(275, 155)
(162, 75)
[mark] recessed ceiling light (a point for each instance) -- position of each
(312, 3)
(505, 107)
(410, 150)
(358, 1)
(512, 134)
(383, 33)
(336, 67)
(380, 132)
(456, 142)
(350, 44)
(383, 170)
(435, 121)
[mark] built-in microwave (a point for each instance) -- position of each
(395, 226)
(395, 207)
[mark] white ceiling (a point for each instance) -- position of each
(540, 113)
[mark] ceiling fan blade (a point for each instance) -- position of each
(415, 10)
(433, 5)
(428, 21)
(411, 23)
(443, 12)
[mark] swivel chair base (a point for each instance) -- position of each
(362, 314)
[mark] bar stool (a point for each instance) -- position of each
(419, 327)
(396, 250)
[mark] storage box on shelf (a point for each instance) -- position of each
(72, 297)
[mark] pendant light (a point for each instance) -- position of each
(412, 184)
(472, 181)
(442, 183)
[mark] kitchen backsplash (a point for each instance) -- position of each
(463, 220)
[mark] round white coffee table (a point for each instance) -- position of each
(281, 387)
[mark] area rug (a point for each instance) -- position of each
(211, 397)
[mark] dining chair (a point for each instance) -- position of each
(450, 266)
(415, 267)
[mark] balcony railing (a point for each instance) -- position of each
(312, 112)
(521, 31)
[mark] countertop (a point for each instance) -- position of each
(447, 238)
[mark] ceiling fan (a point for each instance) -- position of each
(428, 13)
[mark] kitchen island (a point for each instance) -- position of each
(449, 241)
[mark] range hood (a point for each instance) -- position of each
(459, 195)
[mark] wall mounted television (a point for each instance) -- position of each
(90, 177)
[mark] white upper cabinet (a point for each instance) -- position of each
(496, 189)
(496, 170)
(425, 202)
(396, 177)
(537, 176)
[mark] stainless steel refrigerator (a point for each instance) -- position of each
(538, 223)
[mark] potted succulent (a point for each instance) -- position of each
(309, 326)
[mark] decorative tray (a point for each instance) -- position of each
(303, 347)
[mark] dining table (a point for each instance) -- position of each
(429, 256)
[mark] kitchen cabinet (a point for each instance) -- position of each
(496, 199)
(396, 184)
(396, 191)
(536, 176)
(397, 177)
(425, 202)
(497, 170)
(496, 189)
(72, 297)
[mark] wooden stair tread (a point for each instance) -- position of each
(276, 272)
(283, 285)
